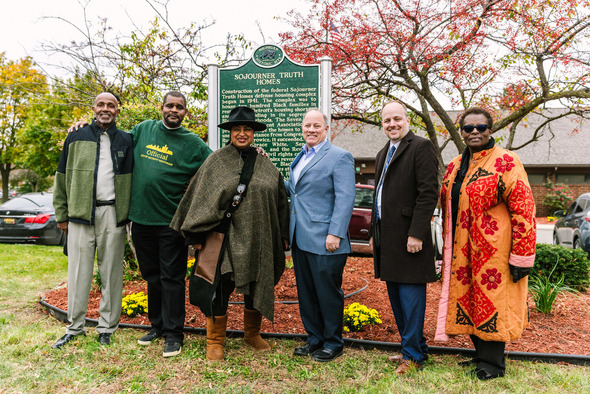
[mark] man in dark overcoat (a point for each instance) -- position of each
(405, 197)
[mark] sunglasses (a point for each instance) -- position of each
(480, 128)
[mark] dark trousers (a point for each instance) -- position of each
(162, 255)
(408, 301)
(321, 299)
(489, 355)
(223, 292)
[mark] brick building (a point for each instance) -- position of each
(561, 152)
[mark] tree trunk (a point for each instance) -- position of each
(5, 173)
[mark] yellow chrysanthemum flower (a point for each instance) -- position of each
(356, 316)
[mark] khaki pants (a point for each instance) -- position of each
(107, 241)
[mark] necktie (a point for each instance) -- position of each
(380, 186)
(388, 160)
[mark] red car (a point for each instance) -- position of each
(360, 223)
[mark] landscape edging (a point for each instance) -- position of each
(554, 358)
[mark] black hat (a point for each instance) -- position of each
(242, 116)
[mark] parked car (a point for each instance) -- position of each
(30, 218)
(360, 223)
(436, 230)
(572, 229)
(11, 194)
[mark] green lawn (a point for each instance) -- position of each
(28, 364)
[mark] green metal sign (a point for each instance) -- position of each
(280, 92)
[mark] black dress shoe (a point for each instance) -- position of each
(306, 350)
(63, 340)
(482, 374)
(325, 355)
(104, 338)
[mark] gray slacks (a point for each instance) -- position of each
(107, 241)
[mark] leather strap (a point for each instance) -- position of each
(246, 175)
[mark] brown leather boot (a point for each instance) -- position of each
(252, 321)
(216, 337)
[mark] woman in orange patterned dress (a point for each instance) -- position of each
(490, 236)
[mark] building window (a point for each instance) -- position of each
(537, 179)
(573, 179)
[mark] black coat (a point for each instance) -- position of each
(409, 197)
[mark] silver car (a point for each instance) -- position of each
(571, 229)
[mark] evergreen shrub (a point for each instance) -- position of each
(573, 264)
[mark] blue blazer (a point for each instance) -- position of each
(322, 200)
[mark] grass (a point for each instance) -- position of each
(28, 364)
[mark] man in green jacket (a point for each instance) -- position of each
(91, 197)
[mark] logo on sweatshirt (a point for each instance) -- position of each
(158, 153)
(163, 149)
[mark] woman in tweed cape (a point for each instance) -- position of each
(254, 259)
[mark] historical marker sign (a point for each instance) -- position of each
(280, 91)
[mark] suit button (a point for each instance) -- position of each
(293, 212)
(295, 195)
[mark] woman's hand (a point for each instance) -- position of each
(518, 272)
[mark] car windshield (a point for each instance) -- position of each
(363, 198)
(584, 204)
(572, 208)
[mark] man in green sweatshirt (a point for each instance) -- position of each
(166, 157)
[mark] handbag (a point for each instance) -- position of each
(208, 256)
(206, 271)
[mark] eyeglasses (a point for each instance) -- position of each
(480, 128)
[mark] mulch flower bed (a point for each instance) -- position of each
(565, 331)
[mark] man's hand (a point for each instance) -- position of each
(285, 245)
(63, 226)
(414, 245)
(332, 243)
(198, 246)
(371, 243)
(262, 152)
(80, 123)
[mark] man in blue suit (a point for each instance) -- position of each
(322, 192)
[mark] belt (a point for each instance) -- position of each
(100, 203)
